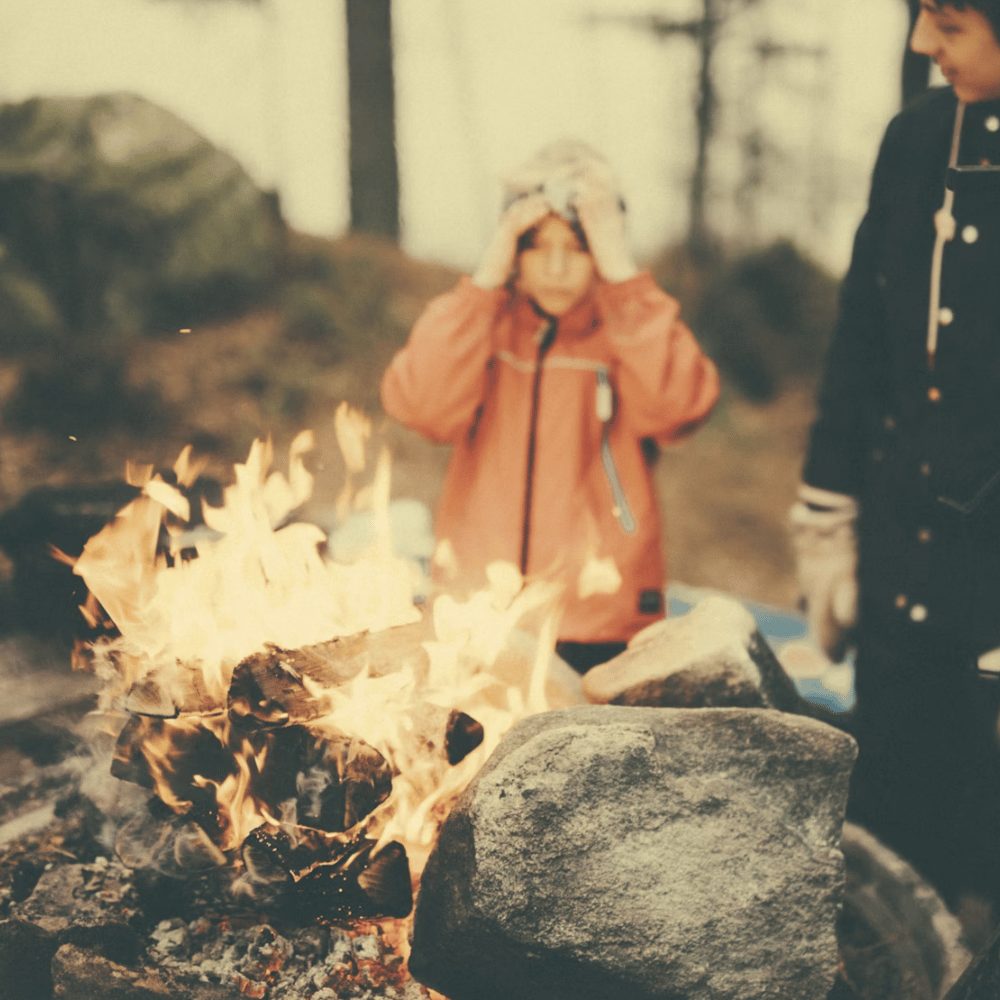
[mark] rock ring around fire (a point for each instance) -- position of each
(648, 853)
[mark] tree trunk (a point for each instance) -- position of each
(373, 170)
(698, 233)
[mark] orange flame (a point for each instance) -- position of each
(262, 579)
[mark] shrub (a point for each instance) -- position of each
(29, 319)
(81, 387)
(764, 316)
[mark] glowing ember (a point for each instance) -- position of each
(274, 691)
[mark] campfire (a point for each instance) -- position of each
(295, 723)
(283, 742)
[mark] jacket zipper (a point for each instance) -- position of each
(546, 336)
(605, 410)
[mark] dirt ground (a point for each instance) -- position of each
(724, 492)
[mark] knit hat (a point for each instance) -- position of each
(557, 170)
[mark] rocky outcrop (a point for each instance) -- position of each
(116, 216)
(647, 853)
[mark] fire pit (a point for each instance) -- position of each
(277, 739)
(277, 742)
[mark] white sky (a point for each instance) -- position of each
(480, 85)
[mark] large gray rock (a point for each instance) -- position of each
(653, 854)
(125, 217)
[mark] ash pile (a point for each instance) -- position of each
(139, 883)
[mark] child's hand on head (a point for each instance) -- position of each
(603, 221)
(498, 258)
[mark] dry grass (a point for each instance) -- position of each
(724, 492)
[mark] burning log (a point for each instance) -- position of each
(276, 687)
(316, 784)
(364, 885)
(157, 840)
(332, 879)
(195, 751)
(334, 782)
(186, 696)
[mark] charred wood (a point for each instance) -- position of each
(462, 735)
(274, 687)
(364, 885)
(332, 880)
(269, 863)
(186, 695)
(195, 752)
(157, 840)
(334, 782)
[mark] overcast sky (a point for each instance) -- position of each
(481, 84)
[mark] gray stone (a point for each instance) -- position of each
(88, 905)
(711, 657)
(25, 954)
(654, 854)
(124, 217)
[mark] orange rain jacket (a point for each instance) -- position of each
(551, 424)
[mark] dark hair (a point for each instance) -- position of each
(527, 239)
(990, 9)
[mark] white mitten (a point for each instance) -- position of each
(826, 551)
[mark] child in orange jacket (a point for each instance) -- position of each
(554, 371)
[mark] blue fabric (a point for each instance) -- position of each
(778, 626)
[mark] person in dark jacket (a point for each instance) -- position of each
(897, 527)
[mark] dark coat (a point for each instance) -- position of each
(919, 447)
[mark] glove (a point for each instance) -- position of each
(824, 540)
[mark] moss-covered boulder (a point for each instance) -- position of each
(124, 218)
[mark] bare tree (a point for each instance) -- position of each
(768, 162)
(705, 32)
(373, 168)
(374, 171)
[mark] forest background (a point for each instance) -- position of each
(375, 132)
